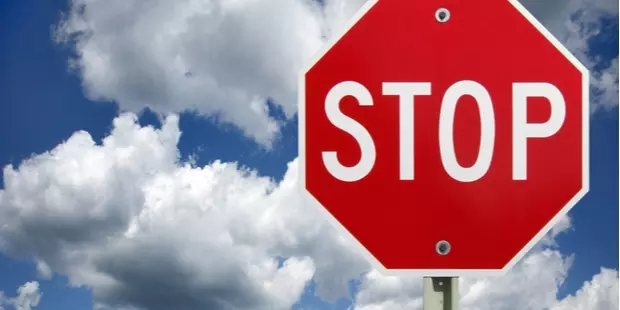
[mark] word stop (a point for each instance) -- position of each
(407, 91)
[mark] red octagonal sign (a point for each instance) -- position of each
(444, 139)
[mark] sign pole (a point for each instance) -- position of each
(441, 293)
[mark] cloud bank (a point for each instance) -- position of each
(145, 231)
(130, 221)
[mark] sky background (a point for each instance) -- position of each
(98, 209)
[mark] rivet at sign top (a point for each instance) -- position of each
(442, 15)
(442, 247)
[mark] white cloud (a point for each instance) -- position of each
(597, 294)
(563, 225)
(224, 58)
(378, 292)
(220, 58)
(532, 284)
(28, 297)
(141, 229)
(43, 270)
(605, 83)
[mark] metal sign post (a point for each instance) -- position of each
(441, 293)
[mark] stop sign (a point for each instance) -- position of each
(444, 137)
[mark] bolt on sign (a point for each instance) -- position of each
(444, 137)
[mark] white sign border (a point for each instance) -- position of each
(311, 201)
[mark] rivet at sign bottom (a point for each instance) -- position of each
(442, 247)
(442, 15)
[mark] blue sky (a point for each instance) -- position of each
(43, 103)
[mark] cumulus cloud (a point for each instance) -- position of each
(599, 293)
(219, 58)
(28, 297)
(144, 230)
